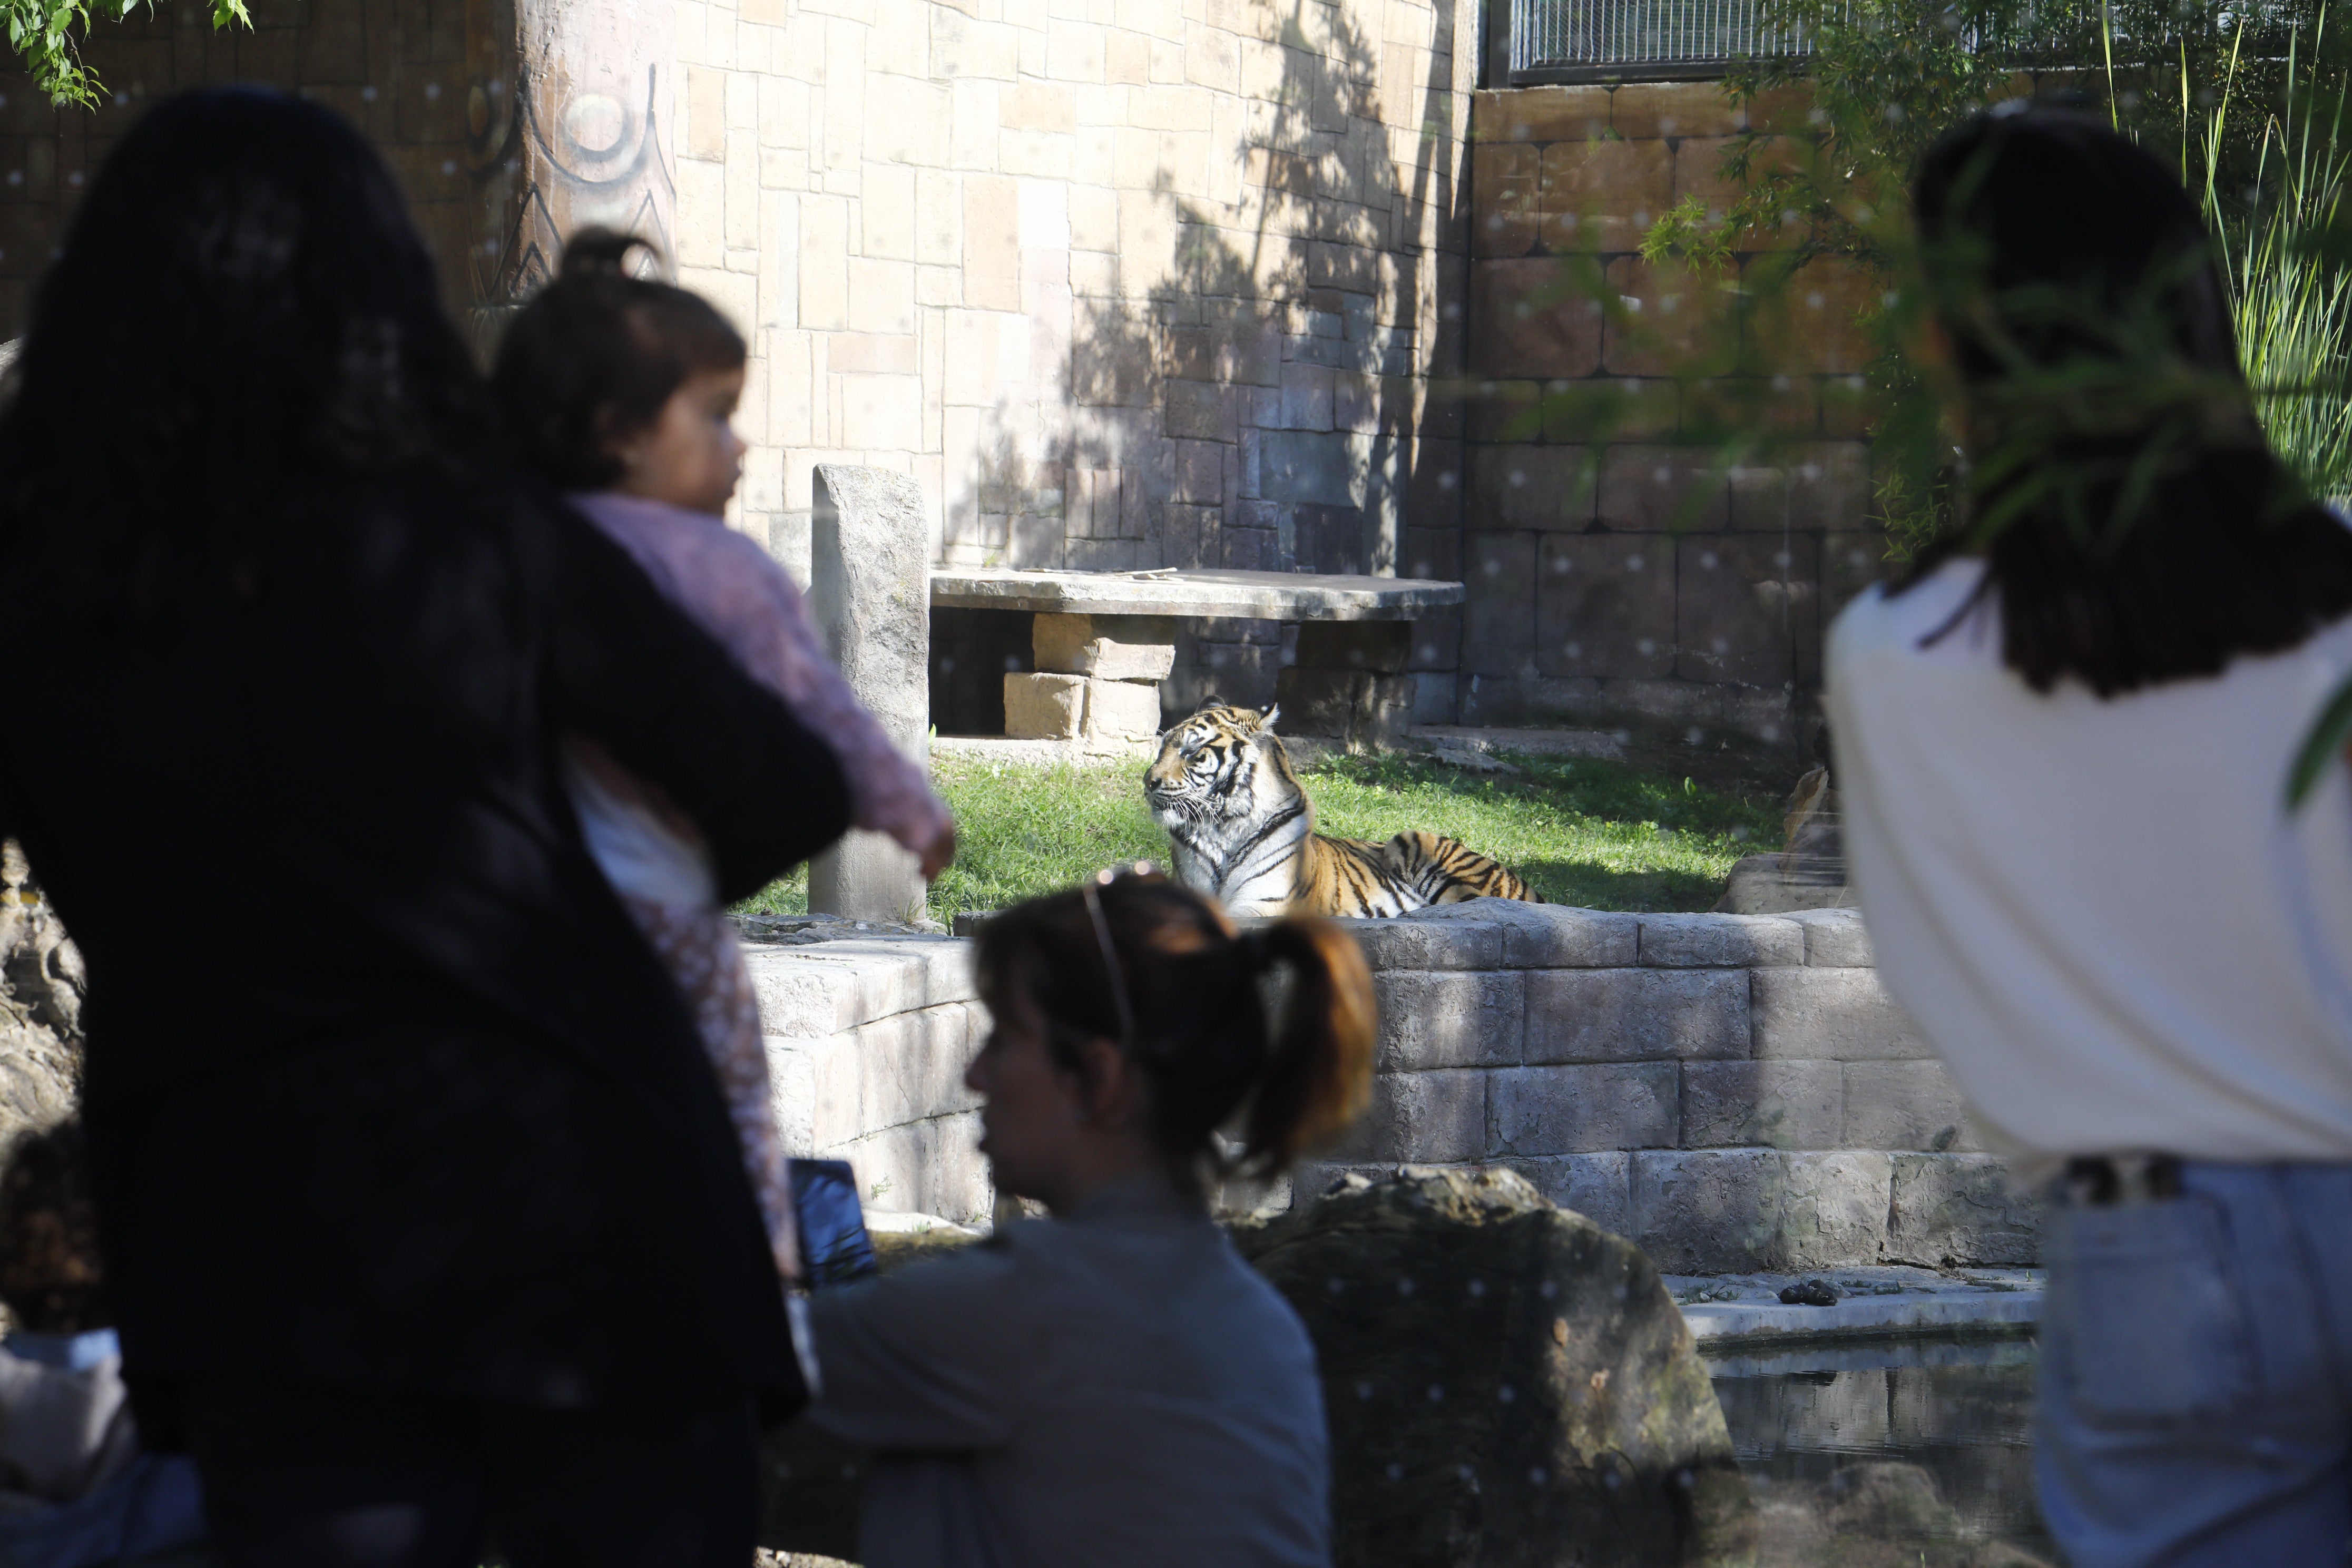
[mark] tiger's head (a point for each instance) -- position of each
(1224, 765)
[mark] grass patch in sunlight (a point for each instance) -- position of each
(1606, 836)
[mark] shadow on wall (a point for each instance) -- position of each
(1260, 396)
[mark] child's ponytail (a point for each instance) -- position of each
(1319, 1067)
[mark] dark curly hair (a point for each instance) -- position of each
(240, 301)
(596, 354)
(50, 1276)
(2157, 536)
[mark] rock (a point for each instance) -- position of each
(41, 988)
(1889, 1501)
(1811, 1293)
(1454, 754)
(869, 593)
(1508, 1385)
(1779, 884)
(1808, 872)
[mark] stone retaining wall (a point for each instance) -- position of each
(1735, 1092)
(868, 1041)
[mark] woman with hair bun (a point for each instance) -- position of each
(1112, 1384)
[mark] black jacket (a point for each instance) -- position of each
(383, 1088)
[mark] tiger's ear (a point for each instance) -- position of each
(1265, 725)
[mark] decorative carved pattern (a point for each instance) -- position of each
(565, 119)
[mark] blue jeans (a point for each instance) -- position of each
(2195, 1407)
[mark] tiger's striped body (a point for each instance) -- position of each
(1242, 831)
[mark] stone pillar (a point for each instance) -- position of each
(1097, 679)
(1349, 684)
(870, 592)
(567, 114)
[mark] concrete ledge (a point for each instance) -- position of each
(809, 993)
(1992, 1302)
(1249, 596)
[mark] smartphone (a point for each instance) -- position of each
(834, 1247)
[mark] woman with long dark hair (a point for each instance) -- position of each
(1112, 1384)
(422, 1213)
(2063, 744)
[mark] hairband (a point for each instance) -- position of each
(1111, 961)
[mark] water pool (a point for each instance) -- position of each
(1894, 1453)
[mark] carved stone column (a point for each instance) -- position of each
(568, 113)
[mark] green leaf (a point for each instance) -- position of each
(2320, 746)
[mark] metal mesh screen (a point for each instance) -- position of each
(1551, 34)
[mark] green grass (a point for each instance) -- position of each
(1603, 835)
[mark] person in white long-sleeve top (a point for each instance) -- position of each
(2063, 743)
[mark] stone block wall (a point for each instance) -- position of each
(1734, 1092)
(399, 70)
(1122, 283)
(868, 1042)
(1623, 573)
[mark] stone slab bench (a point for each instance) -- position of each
(1103, 641)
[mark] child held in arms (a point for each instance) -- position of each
(76, 1489)
(620, 390)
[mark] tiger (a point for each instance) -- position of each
(1241, 831)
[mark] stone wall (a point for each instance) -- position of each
(867, 1042)
(399, 70)
(1627, 575)
(1123, 283)
(1733, 1091)
(1135, 283)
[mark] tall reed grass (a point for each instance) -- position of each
(2291, 294)
(2291, 291)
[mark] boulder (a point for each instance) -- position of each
(1874, 1514)
(41, 986)
(1808, 872)
(1509, 1385)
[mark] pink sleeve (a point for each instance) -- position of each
(891, 795)
(736, 591)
